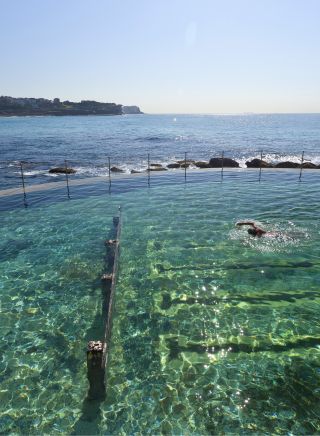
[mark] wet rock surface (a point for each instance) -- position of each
(173, 165)
(287, 164)
(62, 170)
(116, 170)
(217, 162)
(258, 163)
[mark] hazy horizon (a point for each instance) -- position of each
(177, 57)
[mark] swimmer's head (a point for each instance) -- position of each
(252, 232)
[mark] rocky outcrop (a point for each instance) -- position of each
(216, 162)
(309, 166)
(202, 164)
(287, 164)
(187, 161)
(135, 172)
(173, 165)
(157, 168)
(116, 170)
(156, 165)
(62, 170)
(258, 163)
(131, 110)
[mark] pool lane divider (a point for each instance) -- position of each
(97, 351)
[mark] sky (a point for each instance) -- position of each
(168, 56)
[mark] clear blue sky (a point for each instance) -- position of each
(176, 56)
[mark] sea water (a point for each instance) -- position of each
(214, 331)
(86, 142)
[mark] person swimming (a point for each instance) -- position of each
(256, 231)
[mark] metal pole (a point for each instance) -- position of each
(23, 186)
(185, 165)
(148, 169)
(67, 178)
(260, 166)
(109, 169)
(222, 157)
(302, 158)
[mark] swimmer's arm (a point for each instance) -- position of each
(246, 223)
(252, 224)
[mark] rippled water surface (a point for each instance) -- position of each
(87, 142)
(214, 331)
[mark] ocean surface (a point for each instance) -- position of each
(86, 142)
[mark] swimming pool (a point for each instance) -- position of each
(213, 332)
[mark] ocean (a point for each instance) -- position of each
(86, 142)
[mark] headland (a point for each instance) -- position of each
(10, 106)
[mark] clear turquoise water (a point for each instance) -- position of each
(214, 331)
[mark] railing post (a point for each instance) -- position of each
(23, 186)
(260, 166)
(301, 166)
(185, 166)
(96, 363)
(148, 170)
(109, 173)
(222, 157)
(67, 178)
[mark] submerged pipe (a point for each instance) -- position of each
(97, 351)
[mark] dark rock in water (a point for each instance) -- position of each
(173, 165)
(188, 161)
(216, 162)
(116, 170)
(185, 165)
(62, 170)
(287, 164)
(156, 165)
(309, 166)
(258, 163)
(201, 164)
(158, 169)
(135, 172)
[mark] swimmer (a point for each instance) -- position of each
(254, 230)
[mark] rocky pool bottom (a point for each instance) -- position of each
(214, 331)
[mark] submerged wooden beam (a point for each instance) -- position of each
(97, 352)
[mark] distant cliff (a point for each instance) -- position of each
(131, 110)
(41, 106)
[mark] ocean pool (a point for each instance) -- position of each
(214, 331)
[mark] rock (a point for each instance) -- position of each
(201, 164)
(116, 170)
(287, 164)
(62, 170)
(309, 166)
(216, 162)
(188, 161)
(258, 163)
(173, 165)
(158, 169)
(135, 172)
(156, 165)
(185, 165)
